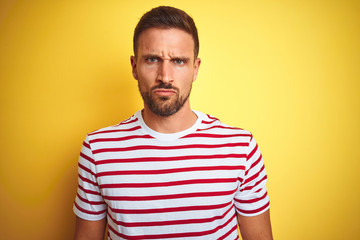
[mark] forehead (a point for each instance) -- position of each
(165, 41)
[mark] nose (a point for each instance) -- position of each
(165, 73)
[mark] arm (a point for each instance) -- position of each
(90, 230)
(255, 227)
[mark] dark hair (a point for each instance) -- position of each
(166, 17)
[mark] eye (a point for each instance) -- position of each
(152, 59)
(179, 61)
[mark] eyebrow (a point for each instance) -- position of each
(172, 58)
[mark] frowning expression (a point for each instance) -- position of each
(165, 68)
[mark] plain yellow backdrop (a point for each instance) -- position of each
(287, 70)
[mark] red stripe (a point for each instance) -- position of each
(207, 135)
(170, 210)
(168, 184)
(251, 200)
(233, 229)
(88, 211)
(167, 171)
(87, 180)
(172, 222)
(255, 210)
(87, 158)
(121, 123)
(208, 122)
(88, 191)
(213, 118)
(116, 130)
(247, 180)
(256, 184)
(219, 126)
(120, 138)
(173, 235)
(90, 202)
(240, 179)
(252, 152)
(86, 145)
(154, 147)
(169, 196)
(254, 164)
(128, 122)
(169, 159)
(86, 169)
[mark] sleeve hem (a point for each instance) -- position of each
(88, 217)
(266, 207)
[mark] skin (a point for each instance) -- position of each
(255, 227)
(166, 57)
(89, 230)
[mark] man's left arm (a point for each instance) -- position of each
(255, 227)
(251, 199)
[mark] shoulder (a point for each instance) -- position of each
(213, 124)
(126, 127)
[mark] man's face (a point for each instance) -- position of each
(165, 69)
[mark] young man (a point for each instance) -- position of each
(169, 172)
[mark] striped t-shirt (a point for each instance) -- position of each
(186, 185)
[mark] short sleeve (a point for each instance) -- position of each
(89, 204)
(251, 197)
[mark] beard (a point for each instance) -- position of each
(164, 106)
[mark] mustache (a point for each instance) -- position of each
(164, 86)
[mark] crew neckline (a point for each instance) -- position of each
(169, 136)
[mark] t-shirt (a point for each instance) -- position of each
(188, 184)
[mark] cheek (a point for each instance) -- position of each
(148, 68)
(147, 73)
(185, 78)
(182, 73)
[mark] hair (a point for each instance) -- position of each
(166, 17)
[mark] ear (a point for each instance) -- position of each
(197, 63)
(134, 67)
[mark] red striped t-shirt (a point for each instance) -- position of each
(188, 184)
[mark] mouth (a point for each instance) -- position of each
(164, 91)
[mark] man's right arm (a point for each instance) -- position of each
(90, 230)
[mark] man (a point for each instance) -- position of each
(169, 172)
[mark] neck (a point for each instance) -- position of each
(179, 121)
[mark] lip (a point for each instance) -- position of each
(164, 92)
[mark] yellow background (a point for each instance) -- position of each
(288, 71)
